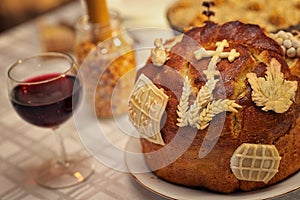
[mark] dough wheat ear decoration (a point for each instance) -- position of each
(204, 97)
(272, 92)
(183, 106)
(204, 108)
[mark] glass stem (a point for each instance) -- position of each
(62, 154)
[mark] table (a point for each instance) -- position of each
(23, 147)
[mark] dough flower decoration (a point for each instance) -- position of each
(272, 92)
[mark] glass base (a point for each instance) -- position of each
(55, 175)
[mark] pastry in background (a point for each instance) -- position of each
(269, 14)
(57, 36)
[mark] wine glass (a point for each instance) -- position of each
(44, 90)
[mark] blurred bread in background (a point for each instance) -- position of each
(269, 14)
(13, 12)
(58, 36)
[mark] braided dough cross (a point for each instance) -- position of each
(218, 53)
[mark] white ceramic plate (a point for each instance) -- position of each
(172, 191)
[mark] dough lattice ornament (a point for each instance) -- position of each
(146, 107)
(255, 162)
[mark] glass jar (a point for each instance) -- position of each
(107, 64)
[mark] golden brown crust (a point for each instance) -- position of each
(250, 124)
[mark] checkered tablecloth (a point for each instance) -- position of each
(23, 147)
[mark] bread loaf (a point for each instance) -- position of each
(246, 127)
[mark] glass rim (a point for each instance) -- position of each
(43, 54)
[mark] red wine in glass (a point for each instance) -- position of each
(45, 90)
(49, 103)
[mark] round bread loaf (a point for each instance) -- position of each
(248, 123)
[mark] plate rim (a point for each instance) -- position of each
(137, 177)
